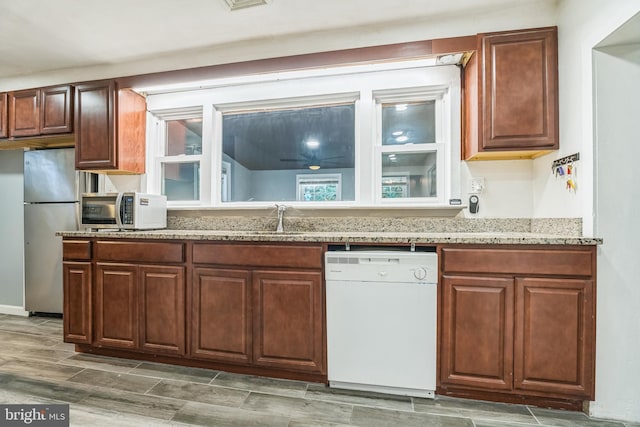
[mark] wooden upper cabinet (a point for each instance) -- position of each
(110, 128)
(24, 112)
(511, 95)
(56, 110)
(4, 130)
(42, 111)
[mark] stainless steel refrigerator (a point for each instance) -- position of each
(51, 193)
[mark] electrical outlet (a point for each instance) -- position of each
(476, 185)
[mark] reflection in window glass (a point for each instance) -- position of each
(184, 137)
(409, 175)
(412, 123)
(181, 181)
(266, 150)
(319, 188)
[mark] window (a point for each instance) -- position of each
(370, 135)
(319, 188)
(266, 150)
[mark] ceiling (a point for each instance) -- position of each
(45, 36)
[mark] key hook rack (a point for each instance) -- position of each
(565, 160)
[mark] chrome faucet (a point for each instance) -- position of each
(281, 209)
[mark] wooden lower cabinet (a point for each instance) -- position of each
(267, 318)
(477, 332)
(288, 320)
(77, 281)
(140, 307)
(221, 323)
(554, 336)
(162, 309)
(526, 336)
(116, 306)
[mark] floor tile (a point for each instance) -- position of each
(475, 409)
(101, 363)
(558, 418)
(174, 372)
(27, 339)
(39, 369)
(133, 403)
(50, 354)
(199, 393)
(62, 391)
(83, 416)
(375, 417)
(219, 416)
(115, 380)
(261, 384)
(316, 423)
(379, 400)
(298, 409)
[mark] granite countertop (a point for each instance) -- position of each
(506, 238)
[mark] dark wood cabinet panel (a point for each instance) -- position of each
(110, 128)
(514, 83)
(76, 249)
(554, 336)
(569, 262)
(477, 332)
(95, 126)
(289, 320)
(162, 309)
(255, 255)
(221, 322)
(4, 117)
(116, 311)
(153, 252)
(56, 110)
(24, 112)
(77, 281)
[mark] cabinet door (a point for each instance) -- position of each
(24, 113)
(221, 315)
(77, 302)
(289, 320)
(162, 309)
(554, 336)
(519, 90)
(116, 299)
(3, 115)
(95, 127)
(477, 332)
(56, 110)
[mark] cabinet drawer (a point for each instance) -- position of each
(140, 251)
(570, 262)
(258, 255)
(76, 249)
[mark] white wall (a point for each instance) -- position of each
(507, 189)
(12, 232)
(582, 25)
(617, 103)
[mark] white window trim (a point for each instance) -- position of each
(368, 88)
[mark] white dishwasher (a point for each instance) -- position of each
(381, 321)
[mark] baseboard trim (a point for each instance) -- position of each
(13, 310)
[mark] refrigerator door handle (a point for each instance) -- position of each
(118, 211)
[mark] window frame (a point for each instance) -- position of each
(314, 88)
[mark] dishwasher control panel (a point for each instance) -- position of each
(382, 266)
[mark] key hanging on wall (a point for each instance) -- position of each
(565, 169)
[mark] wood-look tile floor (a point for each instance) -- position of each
(36, 366)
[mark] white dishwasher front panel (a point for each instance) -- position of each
(381, 334)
